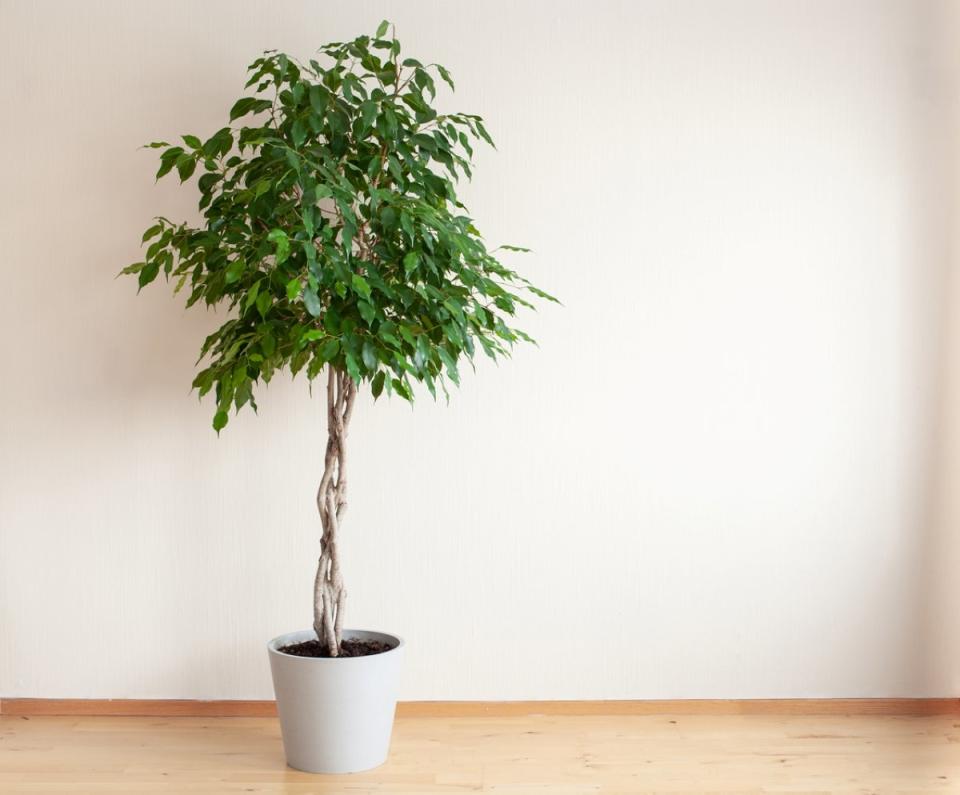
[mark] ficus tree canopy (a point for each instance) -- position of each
(332, 229)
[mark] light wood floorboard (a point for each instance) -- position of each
(520, 754)
(181, 708)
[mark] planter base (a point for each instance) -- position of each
(336, 714)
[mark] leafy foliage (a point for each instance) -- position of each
(333, 229)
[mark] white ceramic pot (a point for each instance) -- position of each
(336, 714)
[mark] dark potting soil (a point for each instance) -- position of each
(349, 648)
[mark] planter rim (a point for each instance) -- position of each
(273, 647)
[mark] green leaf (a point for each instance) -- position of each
(331, 320)
(353, 369)
(410, 262)
(318, 98)
(369, 355)
(483, 133)
(148, 273)
(298, 90)
(220, 421)
(169, 159)
(361, 286)
(382, 29)
(252, 295)
(377, 386)
(445, 75)
(293, 289)
(219, 143)
(192, 141)
(541, 294)
(448, 360)
(330, 349)
(279, 238)
(234, 269)
(402, 389)
(264, 300)
(203, 382)
(368, 112)
(186, 165)
(312, 302)
(268, 344)
(367, 312)
(299, 132)
(151, 232)
(393, 166)
(165, 167)
(242, 107)
(385, 333)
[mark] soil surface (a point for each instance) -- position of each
(349, 648)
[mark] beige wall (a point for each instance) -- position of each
(725, 473)
(942, 542)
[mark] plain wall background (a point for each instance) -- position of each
(726, 472)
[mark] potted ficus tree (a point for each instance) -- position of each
(332, 234)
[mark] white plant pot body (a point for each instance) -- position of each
(336, 713)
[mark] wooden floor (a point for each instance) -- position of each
(524, 754)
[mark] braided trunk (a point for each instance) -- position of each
(328, 591)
